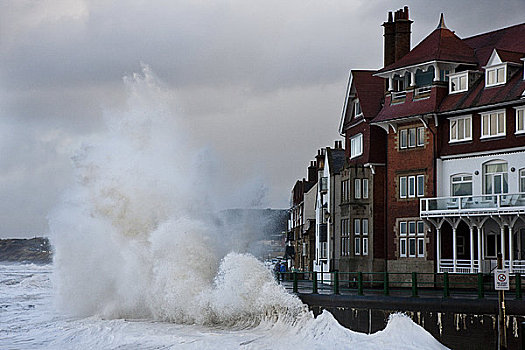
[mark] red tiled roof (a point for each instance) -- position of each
(370, 91)
(407, 109)
(478, 95)
(508, 39)
(442, 44)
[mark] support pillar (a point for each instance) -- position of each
(391, 83)
(471, 245)
(412, 78)
(438, 248)
(502, 241)
(454, 247)
(480, 268)
(511, 251)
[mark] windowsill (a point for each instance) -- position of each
(457, 92)
(356, 156)
(521, 132)
(495, 85)
(459, 141)
(493, 137)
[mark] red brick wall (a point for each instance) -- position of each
(379, 212)
(412, 161)
(374, 144)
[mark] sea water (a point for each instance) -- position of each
(143, 261)
(30, 320)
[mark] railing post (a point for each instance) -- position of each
(314, 282)
(481, 290)
(518, 286)
(336, 282)
(414, 284)
(386, 290)
(359, 283)
(294, 282)
(446, 292)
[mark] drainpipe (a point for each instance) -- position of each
(434, 158)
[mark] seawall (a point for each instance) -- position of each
(457, 323)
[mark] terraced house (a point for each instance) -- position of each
(434, 166)
(453, 114)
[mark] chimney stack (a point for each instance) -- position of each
(397, 33)
(312, 172)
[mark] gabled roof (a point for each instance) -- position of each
(441, 45)
(368, 89)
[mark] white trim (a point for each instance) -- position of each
(484, 153)
(347, 96)
(495, 69)
(353, 153)
(517, 110)
(458, 76)
(497, 134)
(422, 66)
(452, 119)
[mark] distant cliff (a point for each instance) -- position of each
(35, 250)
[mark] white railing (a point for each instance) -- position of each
(518, 266)
(424, 90)
(462, 266)
(465, 266)
(398, 95)
(491, 203)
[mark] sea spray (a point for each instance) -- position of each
(138, 235)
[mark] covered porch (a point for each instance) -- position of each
(472, 230)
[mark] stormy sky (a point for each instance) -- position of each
(261, 82)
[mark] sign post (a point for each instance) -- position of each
(501, 284)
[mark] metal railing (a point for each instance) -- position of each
(399, 284)
(482, 204)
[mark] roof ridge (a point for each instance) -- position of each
(494, 31)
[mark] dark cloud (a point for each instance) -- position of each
(262, 83)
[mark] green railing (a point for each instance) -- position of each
(414, 284)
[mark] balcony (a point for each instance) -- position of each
(398, 96)
(422, 92)
(473, 205)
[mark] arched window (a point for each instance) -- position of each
(495, 177)
(461, 185)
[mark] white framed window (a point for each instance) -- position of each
(420, 228)
(357, 109)
(403, 228)
(493, 124)
(357, 188)
(323, 250)
(458, 82)
(421, 185)
(496, 75)
(421, 136)
(412, 247)
(522, 180)
(365, 245)
(357, 227)
(345, 237)
(403, 138)
(412, 137)
(403, 247)
(344, 191)
(495, 177)
(403, 187)
(411, 186)
(460, 129)
(357, 245)
(461, 185)
(365, 227)
(411, 228)
(365, 188)
(356, 145)
(520, 120)
(420, 247)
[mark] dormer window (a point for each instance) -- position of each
(458, 82)
(357, 109)
(356, 146)
(496, 75)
